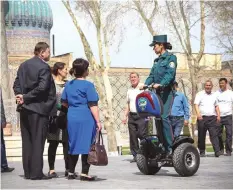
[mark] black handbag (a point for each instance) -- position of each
(52, 124)
(57, 122)
(61, 121)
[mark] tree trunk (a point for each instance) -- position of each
(4, 58)
(193, 77)
(109, 115)
(106, 101)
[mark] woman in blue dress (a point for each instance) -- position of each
(81, 99)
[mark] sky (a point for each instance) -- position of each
(134, 51)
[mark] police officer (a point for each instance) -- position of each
(162, 75)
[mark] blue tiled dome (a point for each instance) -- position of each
(28, 14)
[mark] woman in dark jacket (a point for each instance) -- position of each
(57, 129)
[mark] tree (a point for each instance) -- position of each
(222, 22)
(4, 57)
(147, 11)
(182, 16)
(183, 19)
(104, 16)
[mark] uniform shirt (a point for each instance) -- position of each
(131, 97)
(225, 102)
(180, 106)
(164, 70)
(206, 103)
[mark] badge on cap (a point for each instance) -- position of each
(172, 65)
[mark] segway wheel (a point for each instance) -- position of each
(144, 167)
(186, 160)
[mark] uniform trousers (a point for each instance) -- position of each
(167, 100)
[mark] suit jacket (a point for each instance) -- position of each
(35, 82)
(3, 118)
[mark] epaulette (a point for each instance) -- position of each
(169, 53)
(156, 59)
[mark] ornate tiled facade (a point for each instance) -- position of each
(23, 45)
(27, 23)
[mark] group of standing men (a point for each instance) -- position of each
(214, 112)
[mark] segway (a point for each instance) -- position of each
(152, 155)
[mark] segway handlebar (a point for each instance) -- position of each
(150, 87)
(147, 86)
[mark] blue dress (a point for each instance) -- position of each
(81, 123)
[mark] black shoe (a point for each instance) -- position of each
(217, 154)
(53, 175)
(70, 177)
(87, 178)
(5, 170)
(44, 177)
(228, 154)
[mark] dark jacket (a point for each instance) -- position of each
(35, 82)
(3, 118)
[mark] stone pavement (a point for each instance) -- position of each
(214, 173)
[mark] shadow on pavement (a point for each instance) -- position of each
(161, 173)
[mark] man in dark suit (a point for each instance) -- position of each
(36, 98)
(4, 164)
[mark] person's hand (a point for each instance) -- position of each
(124, 121)
(186, 122)
(218, 119)
(141, 86)
(99, 126)
(156, 86)
(19, 99)
(199, 117)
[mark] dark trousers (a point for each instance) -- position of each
(4, 163)
(208, 123)
(138, 128)
(73, 159)
(52, 153)
(177, 124)
(33, 130)
(167, 98)
(227, 122)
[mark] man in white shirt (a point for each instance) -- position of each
(208, 115)
(137, 126)
(225, 102)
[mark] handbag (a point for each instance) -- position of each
(52, 124)
(97, 155)
(61, 121)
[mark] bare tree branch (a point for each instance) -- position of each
(87, 50)
(144, 17)
(187, 32)
(155, 9)
(176, 29)
(202, 33)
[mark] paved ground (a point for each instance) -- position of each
(214, 173)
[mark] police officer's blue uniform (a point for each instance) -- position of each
(163, 72)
